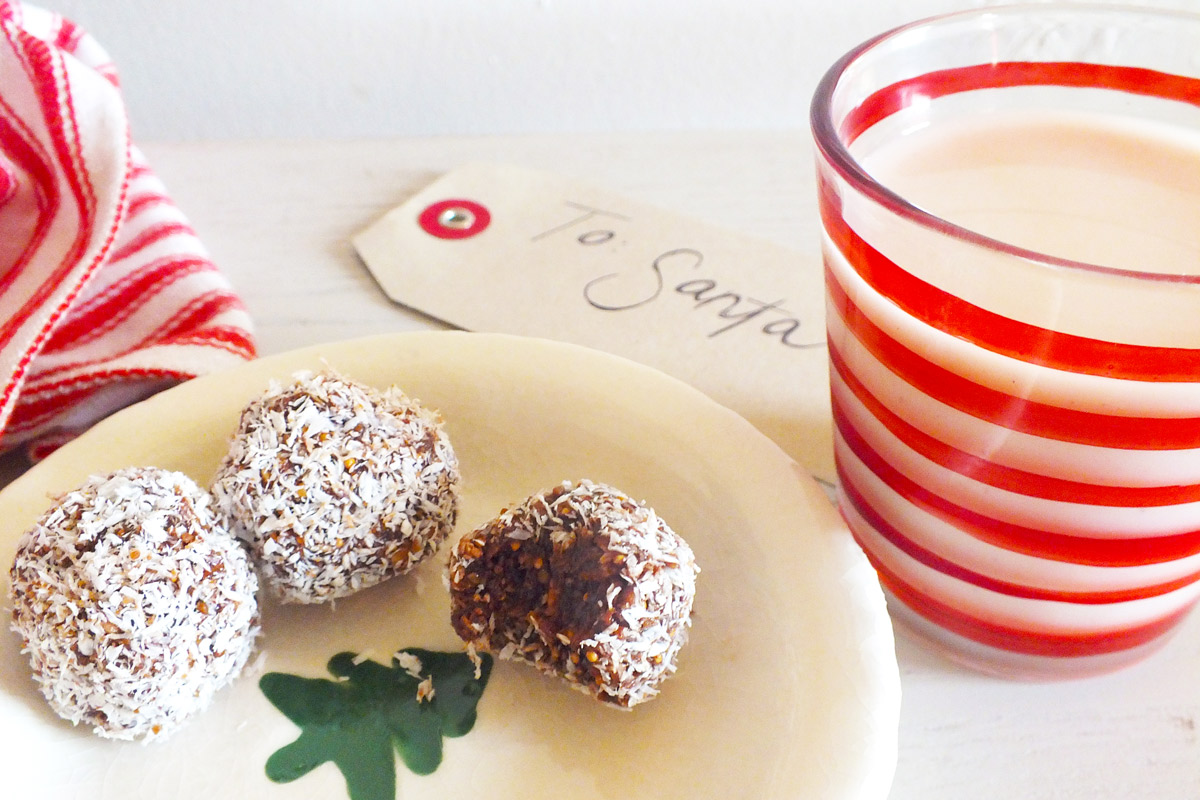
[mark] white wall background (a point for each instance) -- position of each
(222, 69)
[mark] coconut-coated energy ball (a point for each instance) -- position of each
(134, 604)
(337, 486)
(582, 582)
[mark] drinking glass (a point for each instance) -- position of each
(1018, 425)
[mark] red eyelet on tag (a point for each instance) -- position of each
(454, 219)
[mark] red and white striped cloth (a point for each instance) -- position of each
(106, 293)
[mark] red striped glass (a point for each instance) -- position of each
(1018, 425)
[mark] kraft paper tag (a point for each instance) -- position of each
(502, 249)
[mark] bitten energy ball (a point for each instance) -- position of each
(134, 604)
(337, 486)
(583, 583)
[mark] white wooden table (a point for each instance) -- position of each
(277, 217)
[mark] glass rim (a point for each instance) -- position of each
(836, 153)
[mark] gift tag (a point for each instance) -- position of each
(502, 249)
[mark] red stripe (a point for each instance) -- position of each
(230, 338)
(139, 169)
(149, 236)
(991, 331)
(183, 327)
(36, 408)
(1125, 552)
(108, 71)
(1004, 477)
(31, 412)
(1019, 640)
(48, 443)
(68, 35)
(58, 104)
(119, 301)
(194, 315)
(42, 387)
(1027, 416)
(1010, 74)
(934, 561)
(143, 201)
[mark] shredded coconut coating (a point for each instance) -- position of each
(337, 486)
(134, 604)
(582, 582)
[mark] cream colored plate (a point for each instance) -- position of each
(788, 687)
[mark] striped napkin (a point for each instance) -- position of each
(106, 294)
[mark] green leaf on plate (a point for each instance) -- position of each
(360, 721)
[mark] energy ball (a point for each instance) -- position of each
(582, 582)
(337, 486)
(134, 603)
